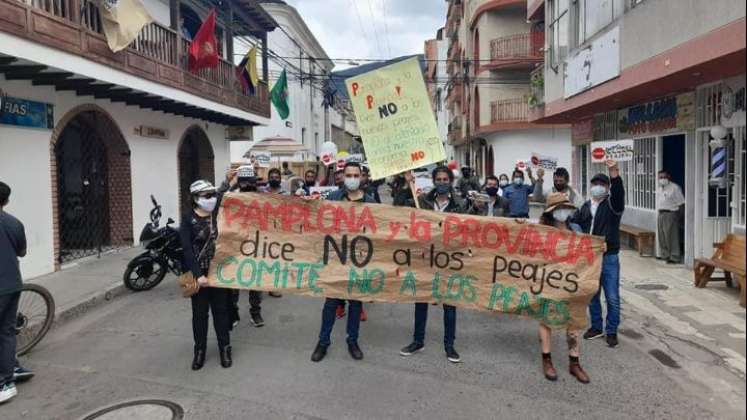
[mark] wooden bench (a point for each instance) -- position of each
(645, 240)
(729, 257)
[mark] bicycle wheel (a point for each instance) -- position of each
(35, 317)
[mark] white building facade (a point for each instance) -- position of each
(88, 135)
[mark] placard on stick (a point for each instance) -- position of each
(395, 118)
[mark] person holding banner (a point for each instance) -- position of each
(198, 232)
(517, 194)
(274, 186)
(243, 179)
(468, 182)
(601, 216)
(558, 211)
(352, 192)
(441, 199)
(371, 187)
(309, 181)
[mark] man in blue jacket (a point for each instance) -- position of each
(352, 192)
(516, 195)
(601, 216)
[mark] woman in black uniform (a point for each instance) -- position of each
(198, 231)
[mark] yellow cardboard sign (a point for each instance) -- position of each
(395, 119)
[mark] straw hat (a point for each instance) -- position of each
(556, 200)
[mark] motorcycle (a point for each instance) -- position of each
(163, 254)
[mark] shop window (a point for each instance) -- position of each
(719, 199)
(708, 112)
(638, 175)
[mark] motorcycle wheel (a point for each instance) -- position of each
(144, 274)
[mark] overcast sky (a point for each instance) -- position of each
(372, 28)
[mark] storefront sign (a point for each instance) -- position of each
(25, 113)
(240, 133)
(733, 103)
(376, 253)
(662, 116)
(152, 132)
(621, 151)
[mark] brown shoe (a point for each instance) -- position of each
(577, 371)
(550, 373)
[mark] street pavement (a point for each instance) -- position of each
(139, 346)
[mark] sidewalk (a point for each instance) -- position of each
(702, 330)
(87, 283)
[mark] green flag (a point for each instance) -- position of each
(279, 95)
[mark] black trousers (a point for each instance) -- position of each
(8, 314)
(255, 303)
(215, 300)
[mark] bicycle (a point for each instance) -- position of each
(35, 317)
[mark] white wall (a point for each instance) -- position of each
(510, 146)
(159, 11)
(25, 165)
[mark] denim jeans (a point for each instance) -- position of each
(610, 284)
(421, 319)
(328, 320)
(8, 315)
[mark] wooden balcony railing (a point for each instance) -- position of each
(509, 111)
(518, 47)
(158, 53)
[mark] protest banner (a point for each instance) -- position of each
(381, 253)
(262, 159)
(618, 150)
(395, 119)
(423, 184)
(547, 163)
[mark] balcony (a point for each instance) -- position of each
(509, 111)
(516, 51)
(158, 54)
(476, 8)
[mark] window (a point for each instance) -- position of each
(303, 136)
(595, 15)
(581, 169)
(638, 175)
(558, 32)
(739, 192)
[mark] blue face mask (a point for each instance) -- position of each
(519, 181)
(443, 189)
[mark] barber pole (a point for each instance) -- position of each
(719, 157)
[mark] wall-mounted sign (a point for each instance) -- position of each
(240, 133)
(621, 151)
(593, 65)
(152, 132)
(676, 113)
(25, 113)
(733, 102)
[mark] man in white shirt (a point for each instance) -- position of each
(670, 201)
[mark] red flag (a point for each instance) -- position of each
(203, 52)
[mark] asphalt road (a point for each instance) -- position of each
(140, 347)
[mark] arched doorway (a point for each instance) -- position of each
(196, 161)
(490, 163)
(477, 108)
(92, 185)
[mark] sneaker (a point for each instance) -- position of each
(256, 320)
(340, 312)
(364, 315)
(612, 340)
(319, 352)
(453, 356)
(593, 333)
(355, 351)
(413, 348)
(7, 392)
(21, 374)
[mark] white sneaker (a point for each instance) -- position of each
(7, 392)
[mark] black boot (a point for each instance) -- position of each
(225, 357)
(199, 360)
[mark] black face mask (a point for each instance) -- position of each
(274, 183)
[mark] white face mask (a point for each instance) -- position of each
(598, 191)
(663, 182)
(519, 181)
(561, 215)
(352, 184)
(503, 182)
(207, 204)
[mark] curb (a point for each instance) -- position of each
(88, 303)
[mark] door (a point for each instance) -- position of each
(714, 205)
(673, 161)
